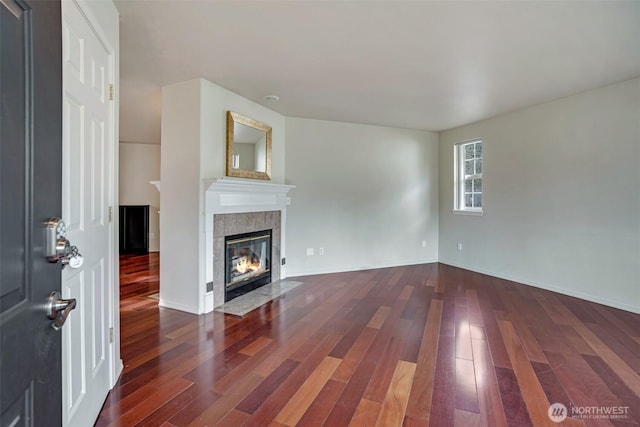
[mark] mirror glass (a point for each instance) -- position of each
(248, 147)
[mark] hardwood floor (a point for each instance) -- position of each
(139, 277)
(416, 346)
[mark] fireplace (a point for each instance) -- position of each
(234, 207)
(247, 262)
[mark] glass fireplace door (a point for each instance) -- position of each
(248, 259)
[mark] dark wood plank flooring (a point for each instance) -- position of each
(425, 345)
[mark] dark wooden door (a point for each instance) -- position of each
(30, 193)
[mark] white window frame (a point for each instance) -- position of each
(459, 179)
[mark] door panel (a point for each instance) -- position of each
(30, 193)
(15, 147)
(73, 190)
(88, 119)
(97, 160)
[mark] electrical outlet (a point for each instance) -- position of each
(459, 247)
(320, 251)
(424, 243)
(309, 251)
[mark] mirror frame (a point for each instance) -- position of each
(233, 118)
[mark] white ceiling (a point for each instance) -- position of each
(425, 65)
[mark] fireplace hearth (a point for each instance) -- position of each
(247, 262)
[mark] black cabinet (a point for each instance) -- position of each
(134, 229)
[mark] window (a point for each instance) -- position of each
(468, 178)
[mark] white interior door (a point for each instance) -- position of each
(88, 69)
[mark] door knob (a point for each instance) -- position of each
(58, 309)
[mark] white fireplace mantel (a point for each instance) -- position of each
(234, 196)
(223, 195)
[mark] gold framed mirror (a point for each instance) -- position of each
(248, 147)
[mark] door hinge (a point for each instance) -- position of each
(110, 335)
(110, 91)
(110, 213)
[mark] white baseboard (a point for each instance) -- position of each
(302, 273)
(545, 286)
(177, 306)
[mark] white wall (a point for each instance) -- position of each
(139, 164)
(561, 197)
(367, 194)
(180, 201)
(193, 148)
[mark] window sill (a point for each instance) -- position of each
(470, 213)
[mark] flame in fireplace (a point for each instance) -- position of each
(247, 258)
(245, 265)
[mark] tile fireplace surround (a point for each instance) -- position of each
(231, 224)
(238, 206)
